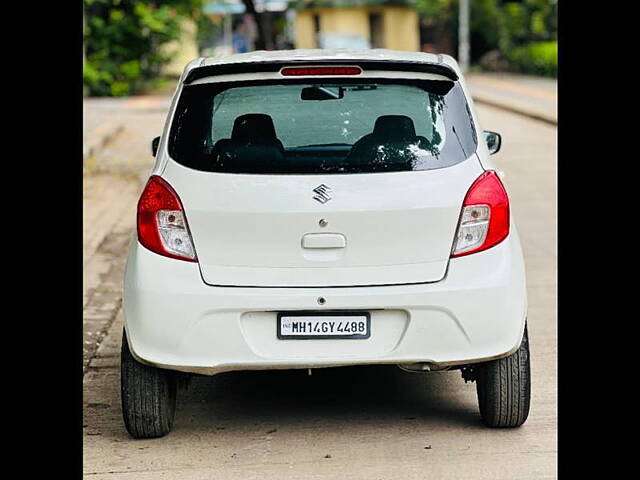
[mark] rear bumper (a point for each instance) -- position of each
(174, 320)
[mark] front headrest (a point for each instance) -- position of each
(394, 126)
(253, 126)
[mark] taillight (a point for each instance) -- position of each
(162, 225)
(327, 70)
(484, 221)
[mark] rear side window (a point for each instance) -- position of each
(304, 127)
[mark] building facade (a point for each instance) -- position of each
(356, 24)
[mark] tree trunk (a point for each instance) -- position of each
(262, 41)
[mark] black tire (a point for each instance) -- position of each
(504, 388)
(148, 396)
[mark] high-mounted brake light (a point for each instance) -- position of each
(484, 221)
(328, 70)
(162, 225)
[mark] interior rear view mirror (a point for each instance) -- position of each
(322, 93)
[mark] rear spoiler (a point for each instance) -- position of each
(275, 66)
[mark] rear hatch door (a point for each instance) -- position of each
(323, 230)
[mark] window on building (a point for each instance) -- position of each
(316, 30)
(376, 30)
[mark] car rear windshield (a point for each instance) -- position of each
(324, 126)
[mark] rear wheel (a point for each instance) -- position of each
(504, 388)
(148, 396)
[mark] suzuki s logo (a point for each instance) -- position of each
(322, 193)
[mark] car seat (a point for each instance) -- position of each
(392, 144)
(253, 145)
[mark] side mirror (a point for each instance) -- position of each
(494, 141)
(154, 145)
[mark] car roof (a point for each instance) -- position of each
(324, 55)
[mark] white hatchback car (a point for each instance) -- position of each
(318, 208)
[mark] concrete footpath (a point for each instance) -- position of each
(112, 182)
(107, 119)
(534, 97)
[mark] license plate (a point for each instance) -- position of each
(318, 325)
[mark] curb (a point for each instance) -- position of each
(101, 137)
(513, 107)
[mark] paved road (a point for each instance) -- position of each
(352, 423)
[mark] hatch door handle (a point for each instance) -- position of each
(324, 240)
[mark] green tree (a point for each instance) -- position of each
(485, 23)
(123, 40)
(514, 28)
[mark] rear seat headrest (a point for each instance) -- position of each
(253, 126)
(394, 126)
